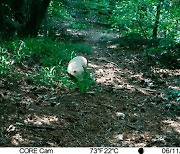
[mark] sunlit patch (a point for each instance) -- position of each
(118, 78)
(112, 46)
(93, 65)
(119, 137)
(174, 87)
(47, 120)
(131, 139)
(18, 140)
(169, 72)
(52, 144)
(11, 128)
(172, 124)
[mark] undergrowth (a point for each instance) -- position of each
(166, 53)
(5, 61)
(43, 61)
(86, 83)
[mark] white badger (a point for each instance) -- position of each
(76, 66)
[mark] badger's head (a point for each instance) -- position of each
(76, 70)
(76, 67)
(78, 73)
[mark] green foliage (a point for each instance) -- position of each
(133, 19)
(133, 41)
(53, 76)
(173, 95)
(59, 11)
(86, 83)
(165, 53)
(79, 26)
(139, 16)
(93, 10)
(47, 59)
(126, 16)
(83, 48)
(57, 76)
(45, 52)
(5, 61)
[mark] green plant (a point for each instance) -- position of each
(59, 11)
(132, 41)
(83, 48)
(173, 95)
(150, 18)
(165, 53)
(47, 60)
(52, 76)
(43, 51)
(86, 83)
(5, 61)
(79, 26)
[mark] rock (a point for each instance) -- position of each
(120, 115)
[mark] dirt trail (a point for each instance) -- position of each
(136, 90)
(130, 110)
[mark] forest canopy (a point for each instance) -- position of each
(150, 18)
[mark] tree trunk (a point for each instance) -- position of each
(38, 10)
(16, 7)
(8, 23)
(156, 24)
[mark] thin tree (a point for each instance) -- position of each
(156, 24)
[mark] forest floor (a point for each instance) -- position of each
(130, 110)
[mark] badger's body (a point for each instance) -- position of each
(76, 66)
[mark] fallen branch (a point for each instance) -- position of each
(130, 126)
(111, 62)
(109, 106)
(108, 62)
(150, 90)
(35, 125)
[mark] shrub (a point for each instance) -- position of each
(45, 61)
(45, 52)
(5, 61)
(166, 53)
(87, 83)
